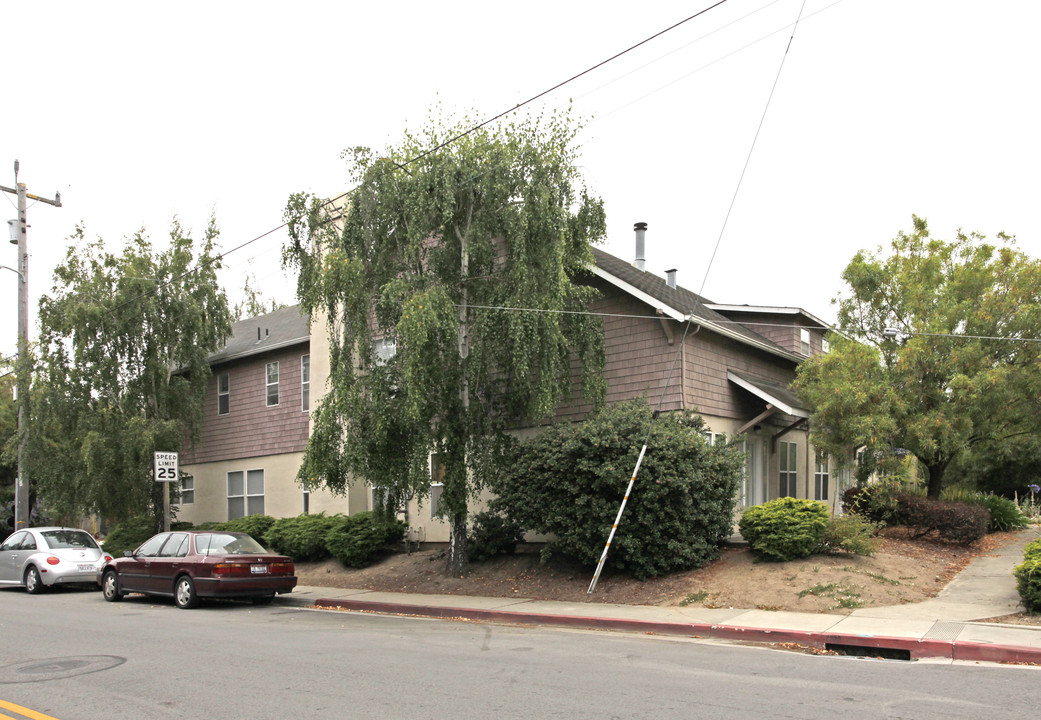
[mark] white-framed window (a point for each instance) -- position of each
(384, 349)
(821, 475)
(245, 493)
(714, 438)
(804, 341)
(187, 489)
(789, 469)
(271, 376)
(305, 382)
(224, 393)
(437, 487)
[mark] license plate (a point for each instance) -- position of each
(85, 567)
(258, 569)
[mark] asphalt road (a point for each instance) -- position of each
(71, 656)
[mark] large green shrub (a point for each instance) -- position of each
(1028, 577)
(129, 534)
(302, 537)
(493, 534)
(355, 540)
(785, 528)
(569, 480)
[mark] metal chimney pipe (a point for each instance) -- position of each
(670, 278)
(641, 231)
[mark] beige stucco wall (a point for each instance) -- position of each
(282, 496)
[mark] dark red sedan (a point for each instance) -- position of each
(189, 565)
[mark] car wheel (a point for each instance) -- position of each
(184, 593)
(33, 581)
(263, 599)
(110, 586)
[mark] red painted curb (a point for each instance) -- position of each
(917, 648)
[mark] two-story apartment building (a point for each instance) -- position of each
(731, 363)
(256, 425)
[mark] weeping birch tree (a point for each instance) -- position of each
(122, 369)
(445, 283)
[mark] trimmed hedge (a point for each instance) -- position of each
(785, 528)
(356, 540)
(302, 537)
(1028, 577)
(960, 523)
(129, 534)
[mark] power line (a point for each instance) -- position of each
(559, 85)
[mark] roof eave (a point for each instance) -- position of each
(679, 316)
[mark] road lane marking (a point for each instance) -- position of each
(25, 712)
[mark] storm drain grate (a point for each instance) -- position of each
(944, 630)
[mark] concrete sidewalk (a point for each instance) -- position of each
(943, 627)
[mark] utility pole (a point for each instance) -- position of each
(19, 228)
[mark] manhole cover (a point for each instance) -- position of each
(57, 668)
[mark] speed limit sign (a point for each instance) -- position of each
(166, 467)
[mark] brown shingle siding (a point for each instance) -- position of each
(251, 428)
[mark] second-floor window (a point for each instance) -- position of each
(224, 393)
(305, 382)
(271, 372)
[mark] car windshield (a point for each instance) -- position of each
(227, 544)
(69, 539)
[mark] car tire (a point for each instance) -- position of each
(184, 593)
(33, 582)
(110, 586)
(263, 599)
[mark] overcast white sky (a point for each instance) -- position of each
(138, 111)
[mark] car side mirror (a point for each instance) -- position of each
(128, 553)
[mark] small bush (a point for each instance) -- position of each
(355, 540)
(302, 537)
(1005, 515)
(960, 523)
(785, 528)
(493, 534)
(1028, 577)
(850, 533)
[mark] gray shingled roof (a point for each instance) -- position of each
(684, 302)
(280, 328)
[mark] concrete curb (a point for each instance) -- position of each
(869, 644)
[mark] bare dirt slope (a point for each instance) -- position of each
(902, 571)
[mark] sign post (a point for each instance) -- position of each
(166, 471)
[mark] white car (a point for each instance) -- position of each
(41, 557)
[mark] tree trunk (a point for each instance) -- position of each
(936, 472)
(458, 546)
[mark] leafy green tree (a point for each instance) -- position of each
(122, 369)
(416, 281)
(944, 361)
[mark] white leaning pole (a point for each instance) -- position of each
(618, 518)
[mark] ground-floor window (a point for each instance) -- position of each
(187, 490)
(789, 474)
(821, 476)
(245, 493)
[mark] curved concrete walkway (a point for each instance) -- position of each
(941, 627)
